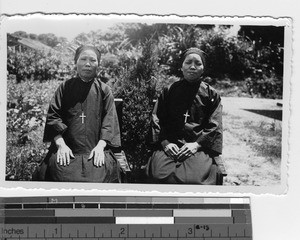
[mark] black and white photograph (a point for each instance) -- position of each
(161, 101)
(150, 101)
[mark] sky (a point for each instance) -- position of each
(60, 25)
(70, 26)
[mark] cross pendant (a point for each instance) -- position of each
(82, 116)
(186, 115)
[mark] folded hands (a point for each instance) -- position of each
(181, 154)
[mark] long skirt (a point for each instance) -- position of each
(197, 169)
(80, 169)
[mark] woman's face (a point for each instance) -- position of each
(87, 65)
(192, 67)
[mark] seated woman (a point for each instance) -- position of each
(82, 126)
(187, 128)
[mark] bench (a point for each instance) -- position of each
(221, 173)
(119, 153)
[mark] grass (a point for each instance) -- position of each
(252, 145)
(267, 140)
(232, 89)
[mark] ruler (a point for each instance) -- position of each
(122, 218)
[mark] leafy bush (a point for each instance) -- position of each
(114, 65)
(27, 104)
(265, 87)
(226, 55)
(38, 65)
(137, 89)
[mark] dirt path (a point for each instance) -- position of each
(249, 125)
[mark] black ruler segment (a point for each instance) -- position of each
(112, 205)
(139, 205)
(208, 220)
(125, 218)
(165, 206)
(86, 205)
(11, 206)
(33, 205)
(29, 220)
(99, 220)
(28, 213)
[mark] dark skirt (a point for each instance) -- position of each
(80, 169)
(197, 169)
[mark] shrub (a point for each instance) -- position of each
(27, 104)
(265, 87)
(137, 89)
(38, 65)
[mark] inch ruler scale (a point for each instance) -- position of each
(125, 218)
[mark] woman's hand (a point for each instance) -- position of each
(98, 154)
(64, 153)
(187, 150)
(171, 150)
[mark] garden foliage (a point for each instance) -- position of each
(137, 89)
(38, 65)
(27, 104)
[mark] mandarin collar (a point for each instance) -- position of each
(84, 82)
(193, 84)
